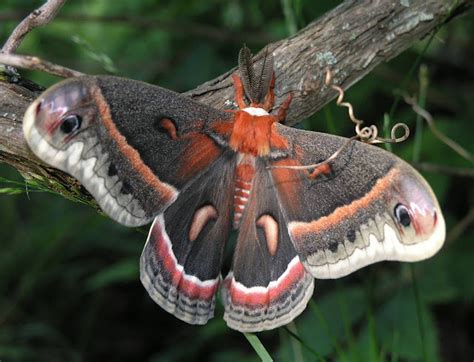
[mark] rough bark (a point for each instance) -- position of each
(351, 40)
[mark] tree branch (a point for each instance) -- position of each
(35, 63)
(445, 169)
(351, 39)
(39, 17)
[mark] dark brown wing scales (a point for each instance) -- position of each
(181, 262)
(268, 285)
(147, 153)
(142, 112)
(123, 140)
(350, 217)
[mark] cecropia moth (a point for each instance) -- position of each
(148, 154)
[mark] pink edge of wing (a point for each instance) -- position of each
(257, 296)
(187, 284)
(255, 309)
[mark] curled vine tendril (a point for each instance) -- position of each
(367, 134)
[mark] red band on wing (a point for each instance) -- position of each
(189, 285)
(257, 296)
(298, 229)
(167, 192)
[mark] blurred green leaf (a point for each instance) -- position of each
(398, 332)
(443, 279)
(123, 271)
(11, 191)
(324, 325)
(101, 58)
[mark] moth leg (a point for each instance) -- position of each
(320, 168)
(281, 115)
(239, 91)
(270, 97)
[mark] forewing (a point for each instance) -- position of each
(181, 262)
(268, 285)
(365, 206)
(134, 147)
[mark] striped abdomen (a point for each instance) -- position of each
(243, 185)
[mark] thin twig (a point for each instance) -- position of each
(215, 33)
(458, 229)
(443, 138)
(41, 16)
(319, 164)
(35, 63)
(444, 169)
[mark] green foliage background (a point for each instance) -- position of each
(69, 287)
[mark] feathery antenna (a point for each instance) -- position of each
(256, 74)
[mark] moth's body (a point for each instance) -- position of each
(147, 154)
(252, 132)
(251, 136)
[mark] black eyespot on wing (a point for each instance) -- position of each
(351, 235)
(126, 188)
(333, 246)
(71, 123)
(112, 171)
(402, 214)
